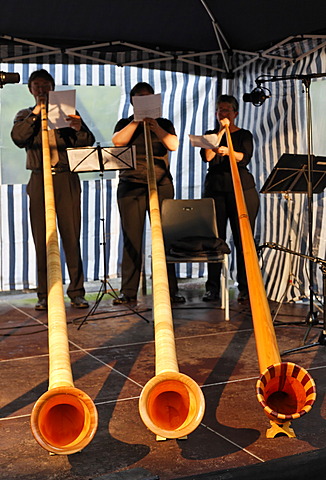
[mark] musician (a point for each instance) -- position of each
(26, 133)
(133, 193)
(219, 186)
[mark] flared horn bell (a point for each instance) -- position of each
(171, 405)
(64, 420)
(286, 392)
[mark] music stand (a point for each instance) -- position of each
(290, 175)
(101, 159)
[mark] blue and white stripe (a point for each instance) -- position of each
(279, 126)
(188, 101)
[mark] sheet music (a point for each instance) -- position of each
(147, 106)
(87, 159)
(61, 104)
(211, 140)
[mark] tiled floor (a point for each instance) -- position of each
(112, 357)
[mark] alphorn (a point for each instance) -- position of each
(171, 404)
(284, 390)
(64, 419)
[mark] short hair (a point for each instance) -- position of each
(140, 87)
(229, 99)
(41, 74)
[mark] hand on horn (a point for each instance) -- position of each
(75, 122)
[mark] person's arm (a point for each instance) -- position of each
(224, 152)
(84, 137)
(123, 136)
(240, 156)
(169, 140)
(26, 126)
(77, 132)
(208, 154)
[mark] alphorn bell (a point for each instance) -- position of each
(64, 419)
(284, 390)
(171, 404)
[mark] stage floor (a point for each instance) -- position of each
(112, 357)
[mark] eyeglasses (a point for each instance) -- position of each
(225, 110)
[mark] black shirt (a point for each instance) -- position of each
(160, 153)
(219, 178)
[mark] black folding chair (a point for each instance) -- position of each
(191, 236)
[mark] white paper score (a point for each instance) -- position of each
(147, 106)
(210, 140)
(61, 104)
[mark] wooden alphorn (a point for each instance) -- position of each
(284, 390)
(64, 419)
(171, 404)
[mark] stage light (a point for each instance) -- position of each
(8, 77)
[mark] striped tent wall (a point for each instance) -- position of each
(188, 101)
(279, 126)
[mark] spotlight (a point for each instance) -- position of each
(8, 77)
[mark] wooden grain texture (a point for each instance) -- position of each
(64, 419)
(285, 391)
(171, 404)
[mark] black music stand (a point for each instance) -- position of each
(291, 175)
(101, 159)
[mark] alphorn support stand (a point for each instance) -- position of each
(101, 159)
(291, 175)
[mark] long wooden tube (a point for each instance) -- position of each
(171, 404)
(285, 390)
(64, 419)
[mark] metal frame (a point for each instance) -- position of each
(217, 61)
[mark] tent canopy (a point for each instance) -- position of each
(199, 36)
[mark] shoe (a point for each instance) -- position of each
(124, 300)
(42, 304)
(79, 302)
(177, 299)
(211, 296)
(243, 297)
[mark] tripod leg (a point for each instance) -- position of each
(307, 334)
(291, 276)
(279, 305)
(289, 284)
(322, 337)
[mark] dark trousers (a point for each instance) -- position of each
(133, 205)
(226, 210)
(67, 203)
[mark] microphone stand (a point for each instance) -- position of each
(322, 337)
(311, 318)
